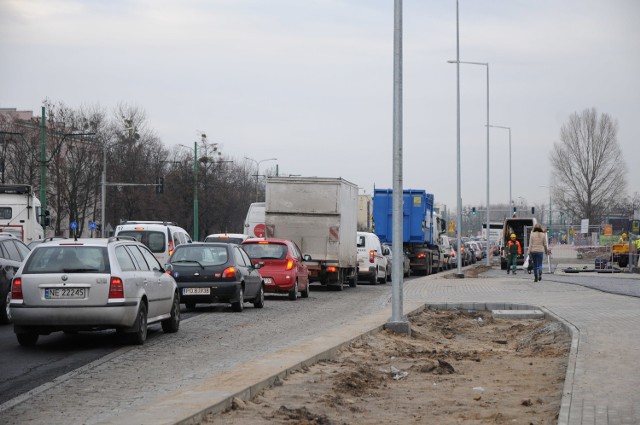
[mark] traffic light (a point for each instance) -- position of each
(159, 185)
(473, 211)
(533, 210)
(515, 212)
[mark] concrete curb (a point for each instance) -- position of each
(192, 405)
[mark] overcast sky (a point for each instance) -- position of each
(310, 81)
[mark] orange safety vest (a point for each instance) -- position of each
(518, 244)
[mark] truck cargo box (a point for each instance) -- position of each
(319, 214)
(417, 211)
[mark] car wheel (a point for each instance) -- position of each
(140, 335)
(293, 294)
(374, 278)
(383, 280)
(28, 339)
(238, 306)
(172, 324)
(305, 291)
(259, 301)
(388, 276)
(5, 312)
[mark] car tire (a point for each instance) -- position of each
(5, 311)
(27, 339)
(374, 278)
(172, 324)
(305, 292)
(238, 306)
(388, 276)
(383, 280)
(140, 335)
(293, 294)
(259, 300)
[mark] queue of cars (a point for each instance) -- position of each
(142, 275)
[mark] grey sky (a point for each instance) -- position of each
(310, 81)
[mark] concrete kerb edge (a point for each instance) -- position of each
(567, 391)
(253, 390)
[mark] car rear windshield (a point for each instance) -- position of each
(68, 259)
(154, 240)
(203, 255)
(268, 251)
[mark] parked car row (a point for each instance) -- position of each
(143, 274)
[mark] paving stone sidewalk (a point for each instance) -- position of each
(606, 377)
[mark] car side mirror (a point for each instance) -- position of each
(306, 257)
(168, 268)
(258, 265)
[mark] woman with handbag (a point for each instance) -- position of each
(537, 247)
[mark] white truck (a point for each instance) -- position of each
(320, 215)
(20, 212)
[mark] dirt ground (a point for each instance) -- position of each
(455, 368)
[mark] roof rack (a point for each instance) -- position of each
(166, 223)
(122, 238)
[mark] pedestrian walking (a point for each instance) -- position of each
(514, 249)
(537, 248)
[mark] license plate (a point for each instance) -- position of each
(268, 280)
(196, 291)
(64, 293)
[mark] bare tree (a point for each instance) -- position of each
(587, 166)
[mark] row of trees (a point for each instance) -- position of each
(79, 140)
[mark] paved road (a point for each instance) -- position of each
(209, 343)
(602, 386)
(56, 355)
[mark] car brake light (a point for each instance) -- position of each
(372, 254)
(16, 289)
(422, 255)
(229, 273)
(332, 269)
(171, 248)
(289, 265)
(116, 288)
(263, 243)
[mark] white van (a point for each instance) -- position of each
(372, 264)
(254, 223)
(160, 237)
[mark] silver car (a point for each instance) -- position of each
(92, 284)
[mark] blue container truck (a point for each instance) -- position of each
(417, 227)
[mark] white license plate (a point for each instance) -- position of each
(64, 293)
(268, 280)
(196, 291)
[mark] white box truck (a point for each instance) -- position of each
(20, 212)
(320, 215)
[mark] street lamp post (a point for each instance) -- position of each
(258, 169)
(507, 128)
(195, 186)
(487, 217)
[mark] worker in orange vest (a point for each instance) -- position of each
(513, 249)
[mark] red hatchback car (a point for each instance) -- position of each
(283, 270)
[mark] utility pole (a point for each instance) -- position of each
(43, 171)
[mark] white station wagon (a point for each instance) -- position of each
(92, 284)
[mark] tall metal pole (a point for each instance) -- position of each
(397, 322)
(459, 224)
(195, 191)
(103, 191)
(507, 128)
(43, 171)
(487, 217)
(510, 193)
(488, 179)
